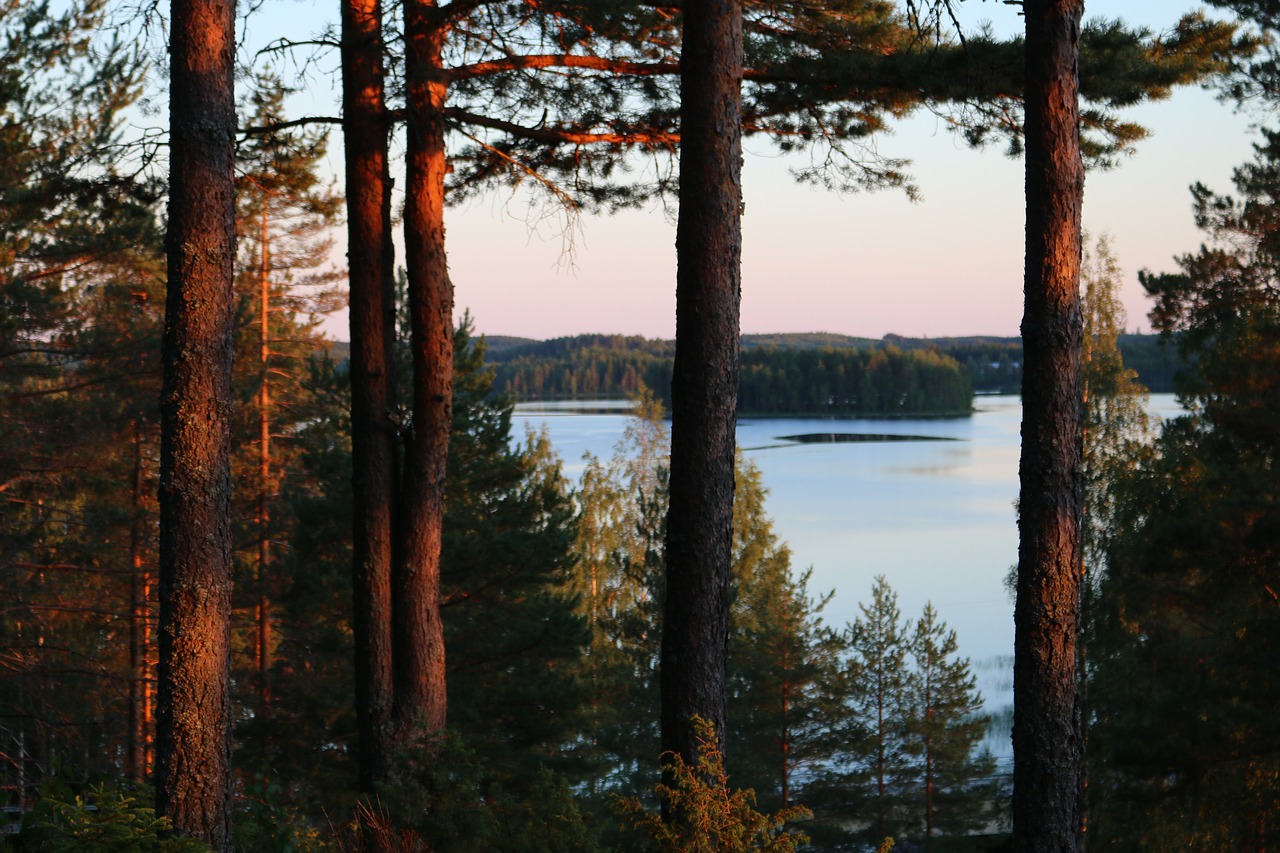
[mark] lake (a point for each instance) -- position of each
(933, 514)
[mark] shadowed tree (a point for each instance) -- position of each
(374, 453)
(193, 720)
(785, 679)
(1183, 684)
(704, 383)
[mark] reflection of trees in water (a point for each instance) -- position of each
(844, 437)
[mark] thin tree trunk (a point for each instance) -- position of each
(705, 380)
(418, 631)
(1048, 753)
(786, 728)
(139, 587)
(373, 434)
(193, 761)
(264, 476)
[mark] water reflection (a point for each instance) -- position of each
(854, 437)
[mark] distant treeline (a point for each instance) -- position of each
(815, 373)
(995, 364)
(810, 376)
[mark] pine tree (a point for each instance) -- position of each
(876, 721)
(509, 534)
(374, 451)
(952, 795)
(508, 537)
(193, 721)
(704, 378)
(785, 677)
(80, 294)
(1181, 687)
(285, 286)
(1047, 738)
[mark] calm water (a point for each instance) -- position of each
(935, 517)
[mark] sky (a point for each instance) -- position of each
(865, 264)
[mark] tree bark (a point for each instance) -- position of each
(419, 634)
(705, 379)
(193, 762)
(1048, 751)
(373, 433)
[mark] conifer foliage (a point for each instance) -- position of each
(1182, 686)
(285, 285)
(81, 301)
(912, 725)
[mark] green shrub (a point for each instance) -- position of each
(713, 818)
(101, 820)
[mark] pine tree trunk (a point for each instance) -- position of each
(264, 473)
(418, 632)
(137, 768)
(193, 763)
(373, 434)
(1048, 754)
(705, 378)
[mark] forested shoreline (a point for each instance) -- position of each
(814, 374)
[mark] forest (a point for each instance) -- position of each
(804, 374)
(822, 382)
(262, 592)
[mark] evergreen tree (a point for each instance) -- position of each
(785, 675)
(704, 379)
(1182, 690)
(80, 293)
(1048, 744)
(784, 667)
(509, 534)
(953, 795)
(374, 451)
(285, 285)
(508, 553)
(193, 720)
(876, 721)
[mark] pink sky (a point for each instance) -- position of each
(863, 264)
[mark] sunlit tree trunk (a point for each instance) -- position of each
(1048, 752)
(418, 632)
(264, 471)
(705, 381)
(372, 317)
(193, 731)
